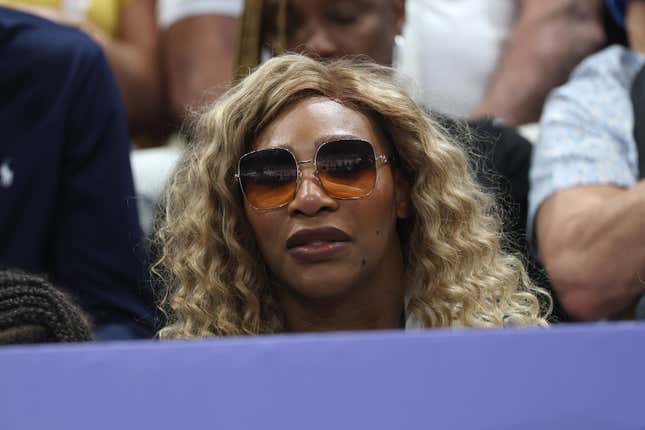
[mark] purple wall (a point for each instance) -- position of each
(567, 377)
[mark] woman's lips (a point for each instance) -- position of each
(317, 251)
(315, 245)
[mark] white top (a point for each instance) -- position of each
(171, 11)
(451, 49)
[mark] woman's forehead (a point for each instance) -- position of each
(305, 124)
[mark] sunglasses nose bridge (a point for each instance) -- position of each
(307, 165)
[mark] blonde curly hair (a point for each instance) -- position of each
(215, 280)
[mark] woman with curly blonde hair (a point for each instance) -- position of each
(319, 197)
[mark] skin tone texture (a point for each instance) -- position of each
(332, 29)
(198, 60)
(133, 56)
(582, 230)
(360, 284)
(548, 39)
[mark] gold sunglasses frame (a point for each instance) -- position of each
(379, 159)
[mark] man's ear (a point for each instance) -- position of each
(401, 195)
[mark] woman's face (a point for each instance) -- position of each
(319, 247)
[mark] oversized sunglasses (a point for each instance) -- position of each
(346, 169)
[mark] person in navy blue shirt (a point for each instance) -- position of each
(67, 205)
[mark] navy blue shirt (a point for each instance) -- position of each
(67, 205)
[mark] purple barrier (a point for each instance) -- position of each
(576, 377)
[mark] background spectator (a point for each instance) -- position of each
(127, 32)
(199, 42)
(66, 188)
(587, 202)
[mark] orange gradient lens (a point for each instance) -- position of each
(346, 168)
(268, 177)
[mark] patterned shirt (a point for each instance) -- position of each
(587, 129)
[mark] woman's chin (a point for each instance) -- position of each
(327, 284)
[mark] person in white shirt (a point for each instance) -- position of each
(472, 58)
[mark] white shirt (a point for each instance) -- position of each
(451, 49)
(171, 11)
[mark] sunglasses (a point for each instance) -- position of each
(346, 169)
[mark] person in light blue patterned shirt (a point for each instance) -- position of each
(586, 129)
(587, 205)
